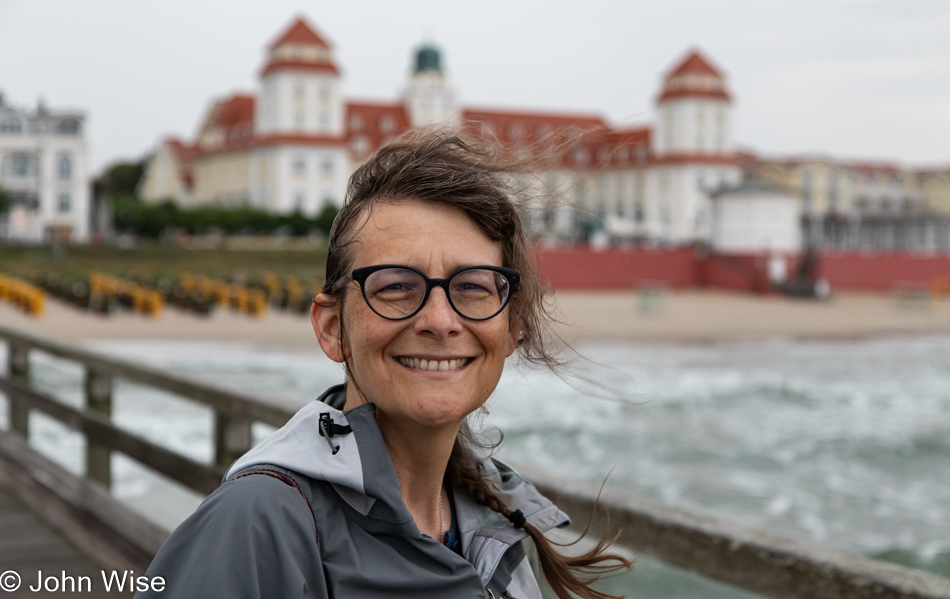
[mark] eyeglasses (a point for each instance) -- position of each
(399, 292)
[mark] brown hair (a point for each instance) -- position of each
(439, 166)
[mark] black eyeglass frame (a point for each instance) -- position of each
(361, 274)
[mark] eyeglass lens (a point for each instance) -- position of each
(398, 292)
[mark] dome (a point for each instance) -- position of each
(428, 59)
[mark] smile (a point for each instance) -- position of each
(441, 365)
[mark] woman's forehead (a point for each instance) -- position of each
(421, 231)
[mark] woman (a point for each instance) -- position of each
(377, 489)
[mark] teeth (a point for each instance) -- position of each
(443, 365)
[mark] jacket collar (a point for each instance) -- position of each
(362, 473)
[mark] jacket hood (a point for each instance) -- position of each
(362, 473)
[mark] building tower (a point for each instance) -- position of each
(693, 148)
(300, 86)
(428, 97)
(299, 162)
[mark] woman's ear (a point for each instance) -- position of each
(327, 325)
(515, 336)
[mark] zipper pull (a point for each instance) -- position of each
(328, 428)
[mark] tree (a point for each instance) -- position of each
(121, 178)
(325, 219)
(4, 201)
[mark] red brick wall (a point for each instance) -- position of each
(583, 268)
(882, 272)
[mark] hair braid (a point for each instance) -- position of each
(567, 576)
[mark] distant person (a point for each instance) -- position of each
(379, 488)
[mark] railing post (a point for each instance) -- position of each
(18, 367)
(232, 438)
(98, 400)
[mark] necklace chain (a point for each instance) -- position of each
(441, 525)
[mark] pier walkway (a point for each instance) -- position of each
(28, 545)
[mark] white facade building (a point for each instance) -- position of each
(756, 218)
(293, 145)
(44, 171)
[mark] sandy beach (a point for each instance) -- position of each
(681, 317)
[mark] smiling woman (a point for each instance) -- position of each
(378, 489)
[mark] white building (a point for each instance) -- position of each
(293, 144)
(44, 170)
(756, 218)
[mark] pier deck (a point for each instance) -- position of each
(28, 545)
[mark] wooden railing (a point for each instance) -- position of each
(745, 558)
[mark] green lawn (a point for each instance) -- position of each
(304, 261)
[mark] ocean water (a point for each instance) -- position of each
(844, 443)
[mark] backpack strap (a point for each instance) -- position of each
(287, 480)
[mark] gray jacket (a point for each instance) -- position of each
(255, 537)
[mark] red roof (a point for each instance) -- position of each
(867, 167)
(369, 125)
(181, 152)
(694, 64)
(581, 141)
(233, 111)
(300, 33)
(706, 82)
(630, 136)
(514, 126)
(182, 155)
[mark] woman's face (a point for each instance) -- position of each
(384, 355)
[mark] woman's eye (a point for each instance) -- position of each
(470, 287)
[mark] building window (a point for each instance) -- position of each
(324, 92)
(299, 90)
(806, 192)
(64, 203)
(21, 165)
(721, 129)
(700, 129)
(300, 165)
(387, 124)
(324, 119)
(833, 192)
(11, 126)
(668, 131)
(64, 167)
(581, 157)
(580, 194)
(298, 119)
(360, 145)
(299, 200)
(68, 127)
(326, 167)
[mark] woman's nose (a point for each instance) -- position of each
(437, 315)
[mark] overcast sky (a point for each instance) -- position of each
(849, 78)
